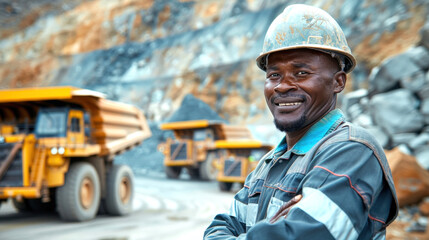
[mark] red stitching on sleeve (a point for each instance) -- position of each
(351, 185)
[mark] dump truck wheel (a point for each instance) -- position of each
(194, 173)
(173, 172)
(21, 206)
(36, 205)
(79, 198)
(225, 186)
(119, 191)
(207, 169)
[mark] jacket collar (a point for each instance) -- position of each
(324, 126)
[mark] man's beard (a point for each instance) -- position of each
(292, 126)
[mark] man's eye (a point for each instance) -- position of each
(302, 73)
(273, 75)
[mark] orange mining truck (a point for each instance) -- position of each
(57, 146)
(204, 147)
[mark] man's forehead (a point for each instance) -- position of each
(296, 53)
(304, 56)
(298, 56)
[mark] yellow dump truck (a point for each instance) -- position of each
(57, 146)
(236, 159)
(203, 147)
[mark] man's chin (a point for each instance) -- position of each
(290, 126)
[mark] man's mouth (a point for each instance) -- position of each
(288, 104)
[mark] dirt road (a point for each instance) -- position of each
(163, 210)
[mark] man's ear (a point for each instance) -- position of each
(340, 79)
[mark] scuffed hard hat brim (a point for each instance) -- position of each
(350, 61)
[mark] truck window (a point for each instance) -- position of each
(51, 123)
(75, 127)
(203, 134)
(199, 135)
(86, 122)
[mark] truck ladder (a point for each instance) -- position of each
(9, 159)
(38, 168)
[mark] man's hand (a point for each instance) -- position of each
(284, 210)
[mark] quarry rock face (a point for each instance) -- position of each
(154, 53)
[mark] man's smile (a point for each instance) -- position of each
(288, 104)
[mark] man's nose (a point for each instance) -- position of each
(286, 84)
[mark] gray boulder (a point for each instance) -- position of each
(402, 138)
(420, 141)
(414, 82)
(397, 111)
(352, 98)
(363, 120)
(420, 56)
(379, 135)
(391, 71)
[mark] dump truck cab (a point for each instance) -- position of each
(64, 128)
(190, 149)
(236, 159)
(57, 146)
(64, 122)
(202, 146)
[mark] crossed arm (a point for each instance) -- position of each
(335, 202)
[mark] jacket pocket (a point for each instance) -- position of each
(253, 200)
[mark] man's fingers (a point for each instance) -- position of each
(284, 210)
(295, 200)
(279, 215)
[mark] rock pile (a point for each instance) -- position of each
(192, 108)
(395, 108)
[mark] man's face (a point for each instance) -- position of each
(301, 87)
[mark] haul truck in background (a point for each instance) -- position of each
(204, 147)
(236, 159)
(57, 146)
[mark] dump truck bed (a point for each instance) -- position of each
(114, 126)
(223, 131)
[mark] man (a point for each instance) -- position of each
(327, 179)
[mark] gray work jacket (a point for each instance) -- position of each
(345, 180)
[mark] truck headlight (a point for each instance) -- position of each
(1, 139)
(61, 150)
(54, 150)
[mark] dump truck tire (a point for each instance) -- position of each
(207, 170)
(119, 191)
(194, 173)
(21, 206)
(36, 205)
(225, 186)
(173, 172)
(79, 198)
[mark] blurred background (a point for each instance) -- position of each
(169, 56)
